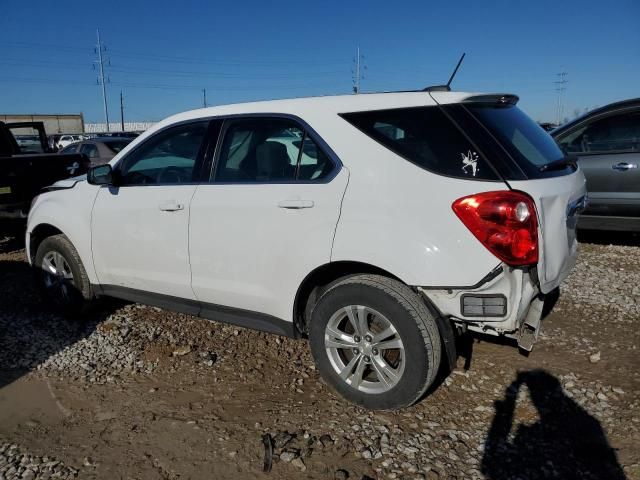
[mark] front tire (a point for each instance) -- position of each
(61, 276)
(375, 341)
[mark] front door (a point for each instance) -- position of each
(267, 217)
(140, 224)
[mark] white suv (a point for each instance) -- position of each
(379, 226)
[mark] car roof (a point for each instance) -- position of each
(331, 104)
(310, 108)
(110, 139)
(632, 102)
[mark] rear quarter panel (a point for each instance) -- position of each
(398, 216)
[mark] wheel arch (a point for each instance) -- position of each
(38, 234)
(323, 276)
(320, 278)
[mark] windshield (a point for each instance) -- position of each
(523, 138)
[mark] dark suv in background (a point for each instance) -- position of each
(606, 142)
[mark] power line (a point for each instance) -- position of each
(179, 59)
(121, 111)
(101, 60)
(560, 89)
(358, 72)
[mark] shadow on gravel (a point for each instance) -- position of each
(29, 331)
(566, 442)
(600, 237)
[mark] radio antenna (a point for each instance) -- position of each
(455, 71)
(447, 87)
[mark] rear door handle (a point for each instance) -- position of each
(171, 206)
(623, 167)
(295, 203)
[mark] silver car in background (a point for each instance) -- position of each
(606, 142)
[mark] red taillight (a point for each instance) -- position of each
(505, 222)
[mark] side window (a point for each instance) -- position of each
(426, 137)
(90, 150)
(168, 157)
(616, 133)
(269, 150)
(259, 150)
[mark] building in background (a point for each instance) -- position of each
(117, 127)
(53, 123)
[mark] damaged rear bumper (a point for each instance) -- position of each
(507, 303)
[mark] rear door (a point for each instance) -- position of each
(608, 148)
(267, 217)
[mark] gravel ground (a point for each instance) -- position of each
(138, 392)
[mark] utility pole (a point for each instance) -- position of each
(100, 48)
(121, 112)
(357, 74)
(204, 97)
(560, 88)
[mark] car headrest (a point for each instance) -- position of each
(272, 160)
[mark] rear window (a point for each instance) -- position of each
(426, 137)
(527, 143)
(117, 146)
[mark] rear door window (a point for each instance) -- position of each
(426, 137)
(270, 150)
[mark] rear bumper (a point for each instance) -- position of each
(524, 305)
(617, 224)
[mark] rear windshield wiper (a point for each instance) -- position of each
(560, 164)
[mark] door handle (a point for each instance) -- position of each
(623, 166)
(171, 207)
(295, 204)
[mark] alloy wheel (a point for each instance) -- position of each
(364, 349)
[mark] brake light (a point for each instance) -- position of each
(505, 222)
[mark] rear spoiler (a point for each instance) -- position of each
(492, 99)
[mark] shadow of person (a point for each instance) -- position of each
(565, 443)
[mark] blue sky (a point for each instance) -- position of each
(163, 53)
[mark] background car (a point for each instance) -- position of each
(607, 144)
(99, 150)
(52, 141)
(67, 139)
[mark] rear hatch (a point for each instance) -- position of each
(528, 160)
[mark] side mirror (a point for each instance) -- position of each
(100, 175)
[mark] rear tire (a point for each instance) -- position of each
(375, 341)
(61, 276)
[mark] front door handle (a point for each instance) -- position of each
(295, 203)
(623, 166)
(171, 206)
